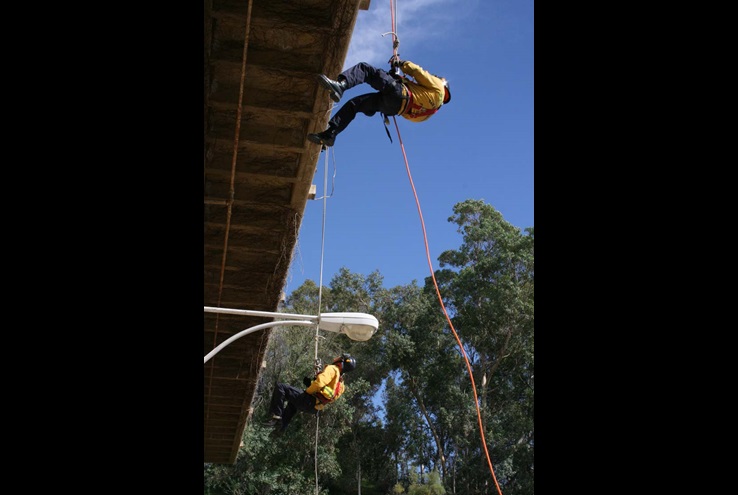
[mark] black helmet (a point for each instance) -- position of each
(348, 361)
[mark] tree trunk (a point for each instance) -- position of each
(436, 438)
(358, 475)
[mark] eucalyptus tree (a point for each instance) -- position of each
(428, 390)
(488, 287)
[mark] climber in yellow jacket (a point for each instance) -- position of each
(325, 388)
(414, 99)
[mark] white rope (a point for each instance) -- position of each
(322, 250)
(317, 418)
(320, 296)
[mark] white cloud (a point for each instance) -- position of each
(418, 22)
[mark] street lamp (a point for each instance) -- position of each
(356, 326)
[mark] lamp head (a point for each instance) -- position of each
(356, 326)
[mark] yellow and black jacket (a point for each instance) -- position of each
(327, 386)
(425, 93)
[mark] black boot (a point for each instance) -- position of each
(274, 421)
(335, 87)
(327, 137)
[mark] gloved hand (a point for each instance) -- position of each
(395, 61)
(307, 382)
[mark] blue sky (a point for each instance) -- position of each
(479, 146)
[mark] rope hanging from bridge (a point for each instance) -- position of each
(395, 45)
(318, 365)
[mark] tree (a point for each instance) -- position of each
(489, 288)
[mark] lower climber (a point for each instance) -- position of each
(325, 388)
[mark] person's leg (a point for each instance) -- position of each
(365, 73)
(282, 392)
(358, 74)
(388, 101)
(367, 104)
(277, 403)
(287, 415)
(300, 402)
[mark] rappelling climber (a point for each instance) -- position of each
(415, 99)
(326, 387)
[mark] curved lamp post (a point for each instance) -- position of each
(356, 326)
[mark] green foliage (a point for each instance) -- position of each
(262, 466)
(429, 485)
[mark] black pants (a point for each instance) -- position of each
(388, 101)
(297, 400)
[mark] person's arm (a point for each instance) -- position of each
(324, 378)
(422, 76)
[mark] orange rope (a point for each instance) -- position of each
(435, 283)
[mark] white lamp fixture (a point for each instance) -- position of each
(356, 326)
